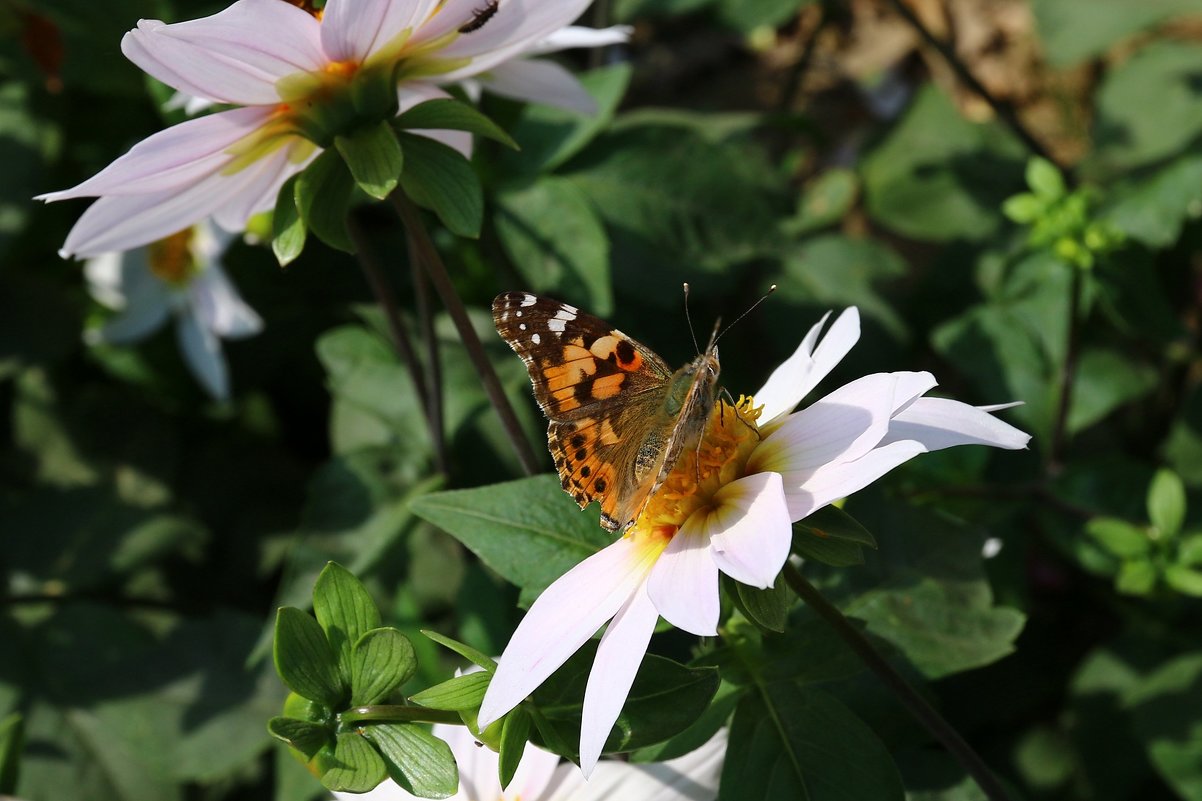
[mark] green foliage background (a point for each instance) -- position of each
(149, 534)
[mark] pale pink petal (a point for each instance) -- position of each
(563, 618)
(409, 94)
(220, 308)
(809, 364)
(352, 30)
(517, 26)
(750, 529)
(137, 321)
(835, 481)
(226, 57)
(940, 423)
(202, 354)
(618, 658)
(540, 81)
(259, 188)
(450, 16)
(684, 582)
(173, 158)
(573, 36)
(843, 426)
(692, 777)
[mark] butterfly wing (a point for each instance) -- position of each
(603, 393)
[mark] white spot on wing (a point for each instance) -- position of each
(536, 339)
(521, 326)
(556, 324)
(566, 313)
(571, 309)
(529, 300)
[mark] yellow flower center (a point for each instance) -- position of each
(718, 459)
(171, 258)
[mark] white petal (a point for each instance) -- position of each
(809, 364)
(940, 423)
(220, 308)
(574, 36)
(563, 618)
(173, 158)
(692, 777)
(835, 481)
(750, 529)
(909, 387)
(618, 658)
(684, 582)
(136, 322)
(226, 57)
(352, 30)
(103, 274)
(841, 427)
(534, 775)
(517, 26)
(540, 81)
(202, 352)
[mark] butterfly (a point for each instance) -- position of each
(619, 416)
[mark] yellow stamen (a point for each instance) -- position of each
(171, 258)
(721, 457)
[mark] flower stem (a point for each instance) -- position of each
(398, 713)
(425, 321)
(378, 281)
(914, 703)
(432, 263)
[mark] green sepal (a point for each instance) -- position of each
(323, 197)
(513, 744)
(382, 660)
(767, 608)
(374, 157)
(352, 765)
(439, 178)
(466, 651)
(451, 115)
(457, 694)
(419, 762)
(303, 735)
(287, 228)
(345, 611)
(304, 659)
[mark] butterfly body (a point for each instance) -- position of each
(619, 416)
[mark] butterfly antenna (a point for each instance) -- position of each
(752, 308)
(692, 333)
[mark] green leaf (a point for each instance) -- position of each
(466, 651)
(303, 735)
(665, 699)
(768, 608)
(831, 522)
(381, 661)
(513, 744)
(1166, 503)
(1189, 550)
(323, 197)
(1153, 209)
(439, 178)
(716, 715)
(345, 611)
(351, 766)
(825, 199)
(1045, 179)
(1165, 707)
(800, 743)
(550, 136)
(461, 692)
(1107, 380)
(451, 115)
(1148, 108)
(1023, 208)
(1136, 577)
(1118, 536)
(12, 742)
(419, 762)
(527, 530)
(304, 659)
(1075, 30)
(937, 176)
(374, 157)
(287, 227)
(556, 241)
(809, 543)
(1184, 579)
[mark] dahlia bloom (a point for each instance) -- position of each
(178, 276)
(294, 91)
(728, 506)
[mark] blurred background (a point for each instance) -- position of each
(854, 152)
